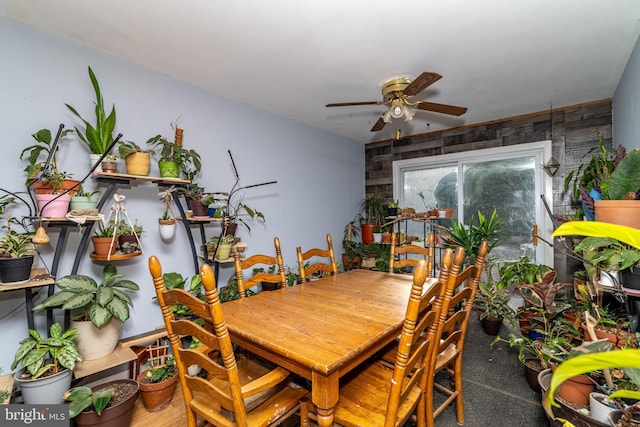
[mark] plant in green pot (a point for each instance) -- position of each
(98, 310)
(174, 158)
(47, 365)
(84, 199)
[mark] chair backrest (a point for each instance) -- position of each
(328, 268)
(265, 261)
(427, 252)
(228, 397)
(415, 348)
(463, 295)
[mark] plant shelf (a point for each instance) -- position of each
(118, 256)
(118, 357)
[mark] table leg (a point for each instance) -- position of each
(324, 394)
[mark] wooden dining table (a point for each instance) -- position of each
(322, 329)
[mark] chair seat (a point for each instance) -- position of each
(446, 356)
(364, 396)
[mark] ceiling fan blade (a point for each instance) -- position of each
(346, 104)
(441, 108)
(421, 82)
(379, 125)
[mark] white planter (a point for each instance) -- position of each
(167, 231)
(599, 411)
(93, 159)
(44, 391)
(377, 237)
(95, 343)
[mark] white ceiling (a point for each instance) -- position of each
(499, 58)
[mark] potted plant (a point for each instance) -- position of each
(373, 211)
(197, 199)
(235, 211)
(84, 199)
(108, 404)
(129, 233)
(105, 239)
(350, 257)
(137, 160)
(110, 163)
(98, 310)
(493, 304)
(55, 203)
(36, 156)
(627, 359)
(99, 136)
(47, 365)
(166, 223)
(157, 385)
(614, 244)
(16, 256)
(392, 209)
(174, 158)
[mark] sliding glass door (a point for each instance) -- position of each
(509, 180)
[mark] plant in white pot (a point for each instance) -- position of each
(47, 365)
(98, 309)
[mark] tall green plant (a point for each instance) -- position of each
(471, 235)
(98, 137)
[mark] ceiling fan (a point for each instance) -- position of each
(396, 92)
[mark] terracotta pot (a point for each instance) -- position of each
(101, 245)
(42, 188)
(354, 263)
(576, 389)
(138, 163)
(113, 416)
(367, 233)
(109, 167)
(386, 237)
(156, 396)
(622, 212)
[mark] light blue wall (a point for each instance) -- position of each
(626, 104)
(320, 175)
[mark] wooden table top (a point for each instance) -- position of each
(325, 325)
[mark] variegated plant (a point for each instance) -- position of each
(40, 356)
(97, 302)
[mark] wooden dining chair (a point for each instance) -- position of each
(266, 261)
(234, 392)
(427, 252)
(312, 254)
(376, 395)
(449, 351)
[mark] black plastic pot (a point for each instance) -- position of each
(491, 326)
(630, 278)
(15, 269)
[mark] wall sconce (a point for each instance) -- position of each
(551, 167)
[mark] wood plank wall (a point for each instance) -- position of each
(576, 129)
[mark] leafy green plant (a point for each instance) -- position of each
(97, 302)
(124, 228)
(97, 137)
(41, 355)
(16, 245)
(105, 230)
(373, 209)
(6, 201)
(494, 303)
(175, 280)
(162, 373)
(188, 161)
(41, 150)
(129, 147)
(56, 180)
(82, 397)
(522, 271)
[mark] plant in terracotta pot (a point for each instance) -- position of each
(107, 404)
(37, 154)
(98, 309)
(137, 160)
(157, 384)
(105, 238)
(17, 253)
(47, 365)
(373, 212)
